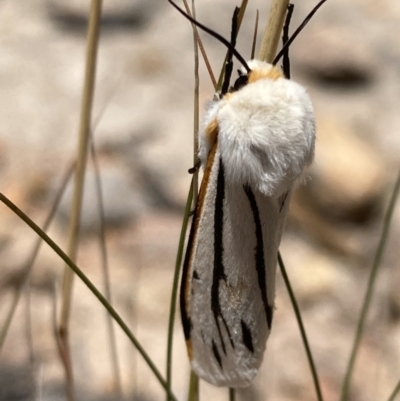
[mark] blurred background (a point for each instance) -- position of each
(348, 57)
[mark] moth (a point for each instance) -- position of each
(255, 142)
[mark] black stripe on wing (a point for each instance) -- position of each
(186, 280)
(219, 270)
(247, 338)
(259, 254)
(185, 317)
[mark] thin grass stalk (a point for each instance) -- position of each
(196, 109)
(396, 391)
(31, 259)
(39, 378)
(29, 338)
(133, 314)
(301, 327)
(232, 394)
(193, 393)
(273, 29)
(370, 288)
(91, 287)
(54, 298)
(200, 44)
(174, 291)
(253, 46)
(84, 137)
(194, 380)
(117, 384)
(191, 202)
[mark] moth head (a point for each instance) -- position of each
(255, 69)
(258, 70)
(241, 81)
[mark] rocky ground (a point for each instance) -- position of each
(348, 58)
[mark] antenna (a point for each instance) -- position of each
(298, 30)
(215, 35)
(285, 38)
(229, 63)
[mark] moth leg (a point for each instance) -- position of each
(195, 168)
(284, 196)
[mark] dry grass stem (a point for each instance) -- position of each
(273, 29)
(84, 137)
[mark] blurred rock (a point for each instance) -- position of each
(15, 384)
(348, 178)
(342, 62)
(317, 275)
(121, 202)
(323, 231)
(346, 184)
(116, 15)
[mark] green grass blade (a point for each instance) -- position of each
(370, 287)
(395, 392)
(91, 287)
(105, 268)
(175, 283)
(193, 387)
(31, 260)
(302, 329)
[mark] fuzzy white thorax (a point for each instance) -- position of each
(266, 133)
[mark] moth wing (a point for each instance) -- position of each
(228, 283)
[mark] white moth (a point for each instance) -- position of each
(255, 143)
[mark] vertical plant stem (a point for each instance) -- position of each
(29, 338)
(301, 327)
(90, 286)
(232, 395)
(174, 291)
(31, 260)
(192, 198)
(253, 46)
(396, 390)
(369, 290)
(117, 385)
(194, 380)
(200, 45)
(84, 134)
(196, 110)
(273, 29)
(193, 394)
